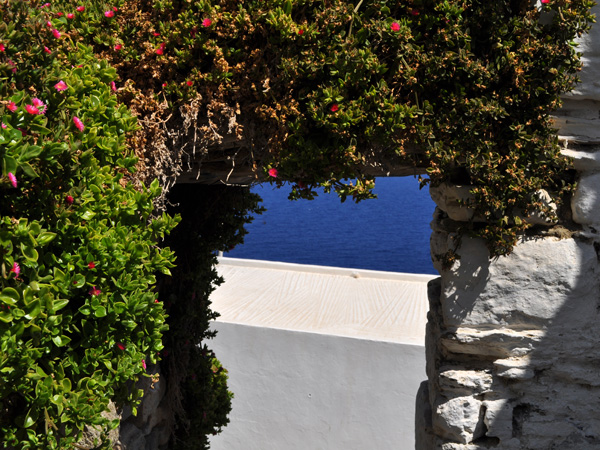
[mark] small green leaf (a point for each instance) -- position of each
(29, 252)
(61, 341)
(10, 296)
(59, 303)
(45, 237)
(30, 151)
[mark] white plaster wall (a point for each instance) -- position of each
(308, 391)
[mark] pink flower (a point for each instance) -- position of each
(334, 107)
(92, 265)
(2, 47)
(273, 173)
(78, 123)
(13, 66)
(395, 26)
(70, 15)
(113, 86)
(94, 291)
(120, 346)
(13, 179)
(32, 109)
(80, 8)
(40, 105)
(56, 33)
(45, 5)
(61, 86)
(118, 47)
(69, 199)
(3, 125)
(49, 24)
(144, 364)
(159, 51)
(47, 50)
(206, 23)
(155, 34)
(545, 1)
(16, 269)
(109, 14)
(12, 107)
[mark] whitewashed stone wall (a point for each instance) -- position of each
(513, 344)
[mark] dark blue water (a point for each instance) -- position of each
(389, 233)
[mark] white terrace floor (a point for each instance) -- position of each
(366, 304)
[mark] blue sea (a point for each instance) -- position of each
(389, 233)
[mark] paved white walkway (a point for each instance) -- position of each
(366, 304)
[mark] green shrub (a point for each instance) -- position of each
(79, 254)
(321, 91)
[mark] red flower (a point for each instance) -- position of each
(59, 14)
(32, 109)
(94, 291)
(189, 82)
(161, 49)
(120, 346)
(80, 8)
(13, 179)
(92, 265)
(40, 105)
(2, 47)
(78, 123)
(334, 107)
(415, 12)
(61, 86)
(155, 34)
(70, 15)
(118, 47)
(206, 23)
(69, 200)
(300, 31)
(273, 173)
(395, 26)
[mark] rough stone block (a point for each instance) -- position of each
(458, 419)
(465, 382)
(585, 204)
(523, 290)
(498, 419)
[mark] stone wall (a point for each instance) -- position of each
(513, 344)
